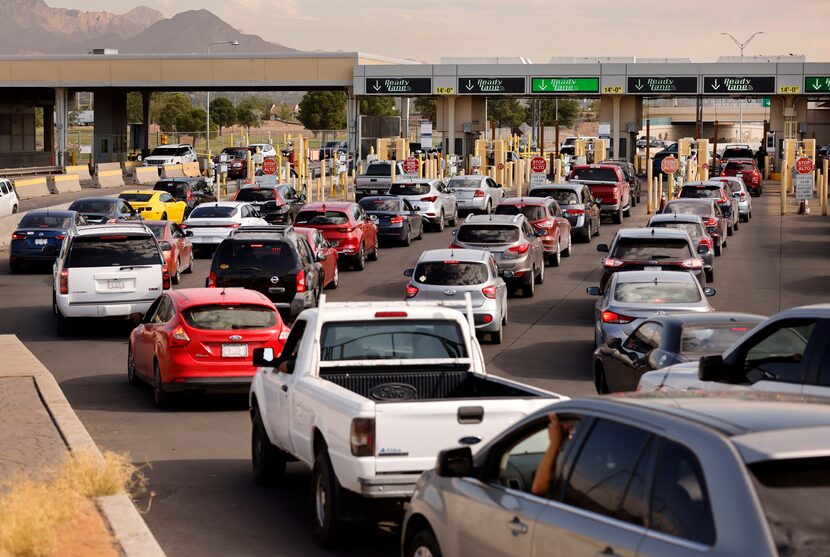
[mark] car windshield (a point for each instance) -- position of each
(213, 212)
(113, 250)
(740, 166)
(445, 273)
(699, 339)
(92, 205)
(331, 144)
(256, 194)
(699, 209)
(651, 249)
(386, 339)
(465, 183)
(657, 292)
(236, 153)
(156, 227)
(254, 257)
(594, 174)
(737, 154)
(138, 197)
(382, 169)
(563, 197)
(44, 221)
(488, 234)
(409, 189)
(322, 217)
(176, 189)
(795, 496)
(169, 152)
(700, 192)
(694, 229)
(531, 212)
(734, 187)
(216, 317)
(374, 204)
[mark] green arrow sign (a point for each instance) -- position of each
(816, 84)
(564, 85)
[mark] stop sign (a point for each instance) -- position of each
(538, 164)
(804, 165)
(669, 165)
(500, 166)
(411, 165)
(269, 166)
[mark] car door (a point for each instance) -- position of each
(494, 191)
(322, 246)
(631, 360)
(411, 215)
(367, 227)
(535, 243)
(5, 199)
(175, 209)
(184, 243)
(143, 349)
(277, 389)
(563, 225)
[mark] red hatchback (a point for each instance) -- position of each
(345, 225)
(175, 246)
(546, 216)
(319, 244)
(202, 339)
(746, 169)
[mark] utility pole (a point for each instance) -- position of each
(207, 131)
(741, 46)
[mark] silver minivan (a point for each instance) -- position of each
(449, 274)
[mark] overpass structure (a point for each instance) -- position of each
(461, 90)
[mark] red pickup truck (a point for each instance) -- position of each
(608, 186)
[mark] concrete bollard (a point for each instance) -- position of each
(109, 175)
(31, 188)
(172, 171)
(147, 174)
(64, 183)
(81, 170)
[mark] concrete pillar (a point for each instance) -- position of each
(352, 122)
(110, 136)
(61, 126)
(146, 97)
(615, 126)
(450, 148)
(405, 117)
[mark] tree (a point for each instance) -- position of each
(73, 118)
(135, 105)
(247, 117)
(323, 110)
(568, 110)
(193, 120)
(427, 108)
(166, 107)
(286, 112)
(222, 113)
(506, 112)
(378, 106)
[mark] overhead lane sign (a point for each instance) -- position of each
(491, 85)
(738, 85)
(648, 85)
(564, 85)
(817, 84)
(398, 86)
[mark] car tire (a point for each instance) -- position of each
(729, 231)
(710, 275)
(375, 252)
(496, 336)
(267, 461)
(161, 398)
(489, 209)
(408, 240)
(529, 287)
(325, 491)
(163, 216)
(600, 383)
(617, 217)
(360, 259)
(176, 277)
(540, 278)
(15, 267)
(132, 376)
(454, 220)
(555, 259)
(335, 281)
(439, 226)
(567, 251)
(61, 323)
(423, 544)
(420, 235)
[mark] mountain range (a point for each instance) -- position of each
(33, 27)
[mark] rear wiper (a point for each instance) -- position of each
(254, 269)
(655, 257)
(125, 267)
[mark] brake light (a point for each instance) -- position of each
(615, 193)
(64, 281)
(165, 277)
(616, 318)
(345, 230)
(489, 292)
(611, 262)
(411, 291)
(706, 242)
(60, 236)
(743, 196)
(18, 236)
(711, 221)
(234, 225)
(575, 211)
(396, 220)
(284, 334)
(387, 314)
(301, 281)
(691, 263)
(179, 337)
(362, 437)
(429, 199)
(479, 193)
(521, 249)
(182, 226)
(211, 281)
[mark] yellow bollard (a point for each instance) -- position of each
(394, 168)
(824, 200)
(420, 166)
(509, 174)
(650, 178)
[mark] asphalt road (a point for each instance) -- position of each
(204, 501)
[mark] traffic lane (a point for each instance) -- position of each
(56, 199)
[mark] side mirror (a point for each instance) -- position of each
(541, 233)
(713, 368)
(602, 248)
(593, 291)
(615, 343)
(450, 190)
(409, 272)
(703, 249)
(373, 218)
(165, 246)
(455, 232)
(507, 273)
(188, 233)
(264, 357)
(454, 463)
(320, 256)
(416, 209)
(709, 291)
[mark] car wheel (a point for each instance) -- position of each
(729, 231)
(420, 235)
(454, 220)
(408, 240)
(529, 287)
(163, 216)
(375, 252)
(600, 382)
(489, 209)
(177, 275)
(710, 275)
(15, 266)
(360, 259)
(423, 544)
(161, 398)
(14, 210)
(132, 377)
(335, 282)
(617, 217)
(540, 278)
(555, 259)
(61, 322)
(325, 491)
(439, 226)
(267, 460)
(567, 251)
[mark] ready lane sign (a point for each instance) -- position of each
(747, 85)
(564, 85)
(399, 86)
(491, 85)
(647, 85)
(817, 84)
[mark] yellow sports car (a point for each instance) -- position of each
(155, 205)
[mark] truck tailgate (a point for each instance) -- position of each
(409, 435)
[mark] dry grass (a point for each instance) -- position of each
(34, 509)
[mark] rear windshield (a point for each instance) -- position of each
(139, 197)
(169, 151)
(699, 339)
(737, 154)
(700, 192)
(409, 189)
(92, 205)
(379, 170)
(563, 197)
(273, 258)
(740, 166)
(370, 204)
(44, 221)
(651, 249)
(488, 234)
(694, 229)
(236, 153)
(464, 183)
(386, 339)
(156, 227)
(795, 496)
(532, 212)
(176, 189)
(660, 293)
(115, 250)
(213, 212)
(734, 187)
(445, 273)
(699, 209)
(322, 217)
(595, 174)
(227, 318)
(256, 194)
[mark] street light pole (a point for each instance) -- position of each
(207, 130)
(741, 46)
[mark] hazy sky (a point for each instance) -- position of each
(429, 29)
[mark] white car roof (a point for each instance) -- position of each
(114, 228)
(223, 204)
(445, 254)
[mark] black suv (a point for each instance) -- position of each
(193, 191)
(277, 204)
(272, 260)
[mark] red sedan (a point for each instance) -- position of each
(202, 339)
(319, 244)
(175, 246)
(545, 215)
(345, 225)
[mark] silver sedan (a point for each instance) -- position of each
(476, 193)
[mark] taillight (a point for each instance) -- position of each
(615, 193)
(691, 264)
(411, 291)
(429, 199)
(182, 225)
(362, 438)
(18, 236)
(479, 193)
(211, 281)
(179, 337)
(711, 222)
(489, 292)
(64, 281)
(611, 262)
(521, 249)
(743, 196)
(575, 211)
(706, 242)
(284, 334)
(396, 220)
(234, 225)
(60, 237)
(611, 317)
(165, 277)
(301, 281)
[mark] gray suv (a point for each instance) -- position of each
(683, 476)
(449, 274)
(514, 243)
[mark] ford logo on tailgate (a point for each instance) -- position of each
(393, 391)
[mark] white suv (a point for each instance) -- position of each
(9, 203)
(107, 271)
(176, 153)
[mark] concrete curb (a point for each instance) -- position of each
(124, 520)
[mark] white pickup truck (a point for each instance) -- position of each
(366, 394)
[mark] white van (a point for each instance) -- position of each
(9, 203)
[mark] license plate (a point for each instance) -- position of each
(334, 243)
(234, 350)
(652, 268)
(115, 284)
(41, 241)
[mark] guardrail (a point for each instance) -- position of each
(30, 170)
